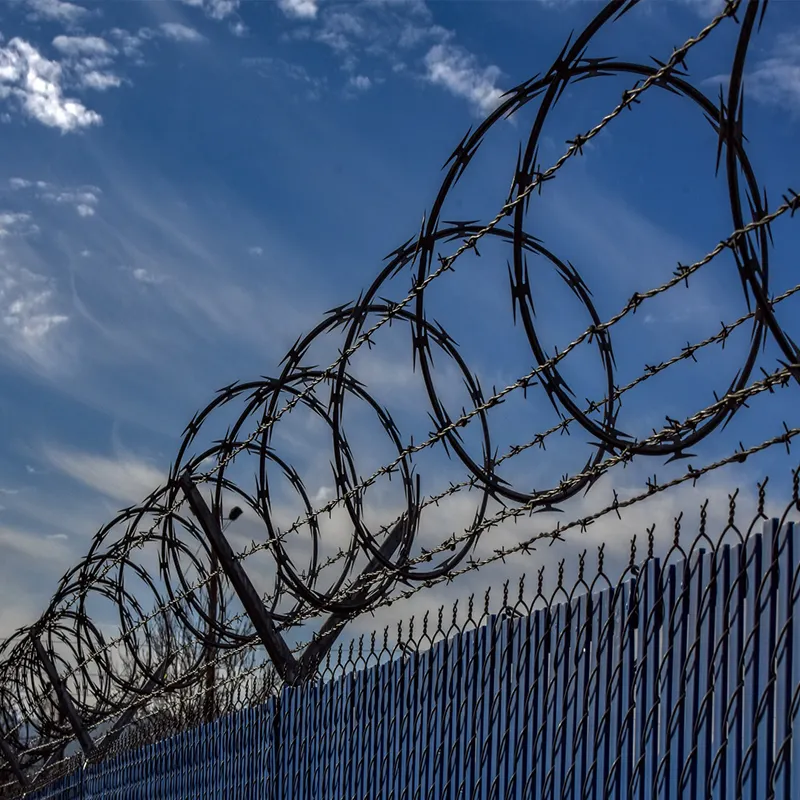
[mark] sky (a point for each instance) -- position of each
(187, 187)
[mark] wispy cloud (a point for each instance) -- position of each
(181, 33)
(83, 46)
(131, 43)
(29, 311)
(88, 59)
(83, 199)
(705, 8)
(56, 10)
(272, 68)
(126, 478)
(391, 31)
(456, 70)
(775, 80)
(215, 9)
(33, 546)
(16, 222)
(359, 82)
(147, 277)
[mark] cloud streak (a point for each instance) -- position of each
(127, 479)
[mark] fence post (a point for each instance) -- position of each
(64, 700)
(276, 647)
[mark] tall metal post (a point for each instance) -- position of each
(278, 651)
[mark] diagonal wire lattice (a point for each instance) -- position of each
(188, 586)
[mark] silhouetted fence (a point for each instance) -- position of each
(683, 680)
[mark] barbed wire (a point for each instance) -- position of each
(179, 541)
(764, 385)
(519, 97)
(686, 353)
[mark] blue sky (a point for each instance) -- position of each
(186, 187)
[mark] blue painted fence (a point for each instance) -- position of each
(683, 682)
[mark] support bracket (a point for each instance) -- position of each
(329, 633)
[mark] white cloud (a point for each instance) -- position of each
(131, 43)
(35, 83)
(705, 8)
(56, 10)
(145, 276)
(216, 9)
(299, 9)
(342, 27)
(381, 28)
(84, 199)
(94, 79)
(774, 81)
(255, 250)
(15, 223)
(238, 28)
(181, 33)
(413, 34)
(87, 59)
(360, 82)
(456, 70)
(29, 545)
(83, 46)
(269, 67)
(127, 479)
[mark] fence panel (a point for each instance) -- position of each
(682, 682)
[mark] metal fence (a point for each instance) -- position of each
(682, 680)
